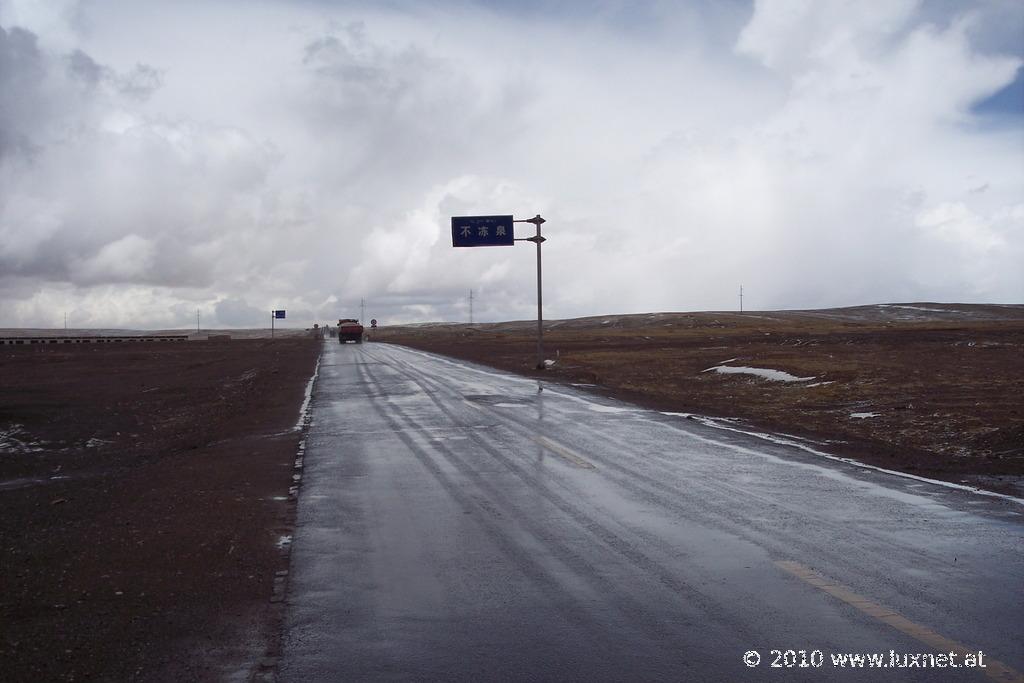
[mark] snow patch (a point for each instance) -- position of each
(764, 373)
(863, 416)
(15, 439)
(918, 308)
(304, 410)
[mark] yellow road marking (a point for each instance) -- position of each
(565, 452)
(994, 669)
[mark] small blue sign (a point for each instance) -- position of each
(278, 314)
(482, 231)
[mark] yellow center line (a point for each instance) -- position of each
(994, 669)
(565, 452)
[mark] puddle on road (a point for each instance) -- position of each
(498, 400)
(598, 408)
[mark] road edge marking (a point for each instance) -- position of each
(995, 669)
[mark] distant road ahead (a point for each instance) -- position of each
(456, 523)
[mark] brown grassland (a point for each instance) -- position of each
(144, 490)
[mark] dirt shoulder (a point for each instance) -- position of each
(940, 396)
(145, 491)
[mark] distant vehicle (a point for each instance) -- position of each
(349, 329)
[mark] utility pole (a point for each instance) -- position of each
(65, 320)
(538, 239)
(362, 310)
(741, 298)
(471, 307)
(197, 321)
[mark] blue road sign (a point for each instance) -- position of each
(279, 314)
(482, 231)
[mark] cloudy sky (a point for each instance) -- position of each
(233, 157)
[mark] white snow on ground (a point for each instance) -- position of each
(764, 373)
(304, 410)
(918, 308)
(820, 384)
(16, 440)
(863, 416)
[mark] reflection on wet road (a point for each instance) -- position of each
(457, 523)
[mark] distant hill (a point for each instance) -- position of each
(915, 312)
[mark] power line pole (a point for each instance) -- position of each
(741, 298)
(471, 307)
(362, 311)
(65, 320)
(197, 321)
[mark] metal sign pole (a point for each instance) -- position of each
(495, 231)
(538, 239)
(273, 315)
(540, 306)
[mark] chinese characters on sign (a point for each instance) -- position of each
(482, 231)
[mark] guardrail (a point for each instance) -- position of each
(26, 341)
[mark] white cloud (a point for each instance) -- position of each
(958, 225)
(127, 259)
(156, 158)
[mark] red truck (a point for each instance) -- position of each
(349, 329)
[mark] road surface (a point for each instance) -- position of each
(459, 523)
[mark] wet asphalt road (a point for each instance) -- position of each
(455, 523)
